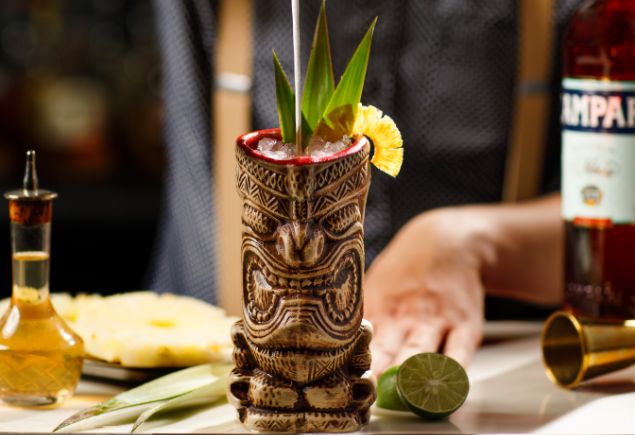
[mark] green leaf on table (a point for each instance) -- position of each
(95, 416)
(319, 83)
(211, 393)
(286, 102)
(342, 108)
(130, 404)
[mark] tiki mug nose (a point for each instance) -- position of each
(300, 244)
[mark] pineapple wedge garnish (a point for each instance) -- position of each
(385, 136)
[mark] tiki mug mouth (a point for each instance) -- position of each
(249, 143)
(316, 309)
(302, 247)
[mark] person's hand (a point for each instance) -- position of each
(424, 288)
(427, 287)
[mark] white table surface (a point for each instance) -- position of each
(509, 393)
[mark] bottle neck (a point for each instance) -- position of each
(599, 41)
(30, 257)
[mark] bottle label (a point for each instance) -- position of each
(598, 152)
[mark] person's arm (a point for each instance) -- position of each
(526, 261)
(429, 282)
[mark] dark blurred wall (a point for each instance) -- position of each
(79, 83)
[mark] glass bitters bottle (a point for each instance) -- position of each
(40, 356)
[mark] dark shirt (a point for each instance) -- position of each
(445, 70)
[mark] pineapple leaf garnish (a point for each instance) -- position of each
(336, 124)
(342, 108)
(319, 83)
(286, 102)
(328, 111)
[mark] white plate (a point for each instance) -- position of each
(116, 372)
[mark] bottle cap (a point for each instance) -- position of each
(30, 205)
(30, 190)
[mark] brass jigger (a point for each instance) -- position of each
(574, 351)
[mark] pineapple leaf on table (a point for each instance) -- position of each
(213, 392)
(105, 414)
(319, 83)
(130, 404)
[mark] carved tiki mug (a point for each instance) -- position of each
(302, 349)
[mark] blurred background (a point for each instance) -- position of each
(80, 84)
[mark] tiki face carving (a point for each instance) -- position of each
(303, 251)
(302, 350)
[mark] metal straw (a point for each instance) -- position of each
(297, 70)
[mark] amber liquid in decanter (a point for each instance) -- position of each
(41, 358)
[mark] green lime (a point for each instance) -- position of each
(432, 385)
(387, 395)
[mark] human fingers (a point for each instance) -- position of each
(423, 336)
(388, 336)
(380, 358)
(463, 340)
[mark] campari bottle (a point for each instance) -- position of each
(598, 160)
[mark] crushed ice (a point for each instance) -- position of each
(276, 149)
(318, 148)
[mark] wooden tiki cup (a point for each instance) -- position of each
(302, 349)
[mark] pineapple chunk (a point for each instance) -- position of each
(145, 329)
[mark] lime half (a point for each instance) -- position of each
(387, 395)
(432, 385)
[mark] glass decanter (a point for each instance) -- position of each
(41, 358)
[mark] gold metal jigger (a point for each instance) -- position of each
(574, 351)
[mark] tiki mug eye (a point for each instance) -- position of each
(260, 295)
(258, 221)
(342, 219)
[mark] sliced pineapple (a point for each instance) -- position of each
(145, 329)
(385, 136)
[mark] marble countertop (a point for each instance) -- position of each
(510, 393)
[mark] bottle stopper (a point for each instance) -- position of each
(30, 205)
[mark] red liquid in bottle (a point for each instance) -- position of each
(599, 160)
